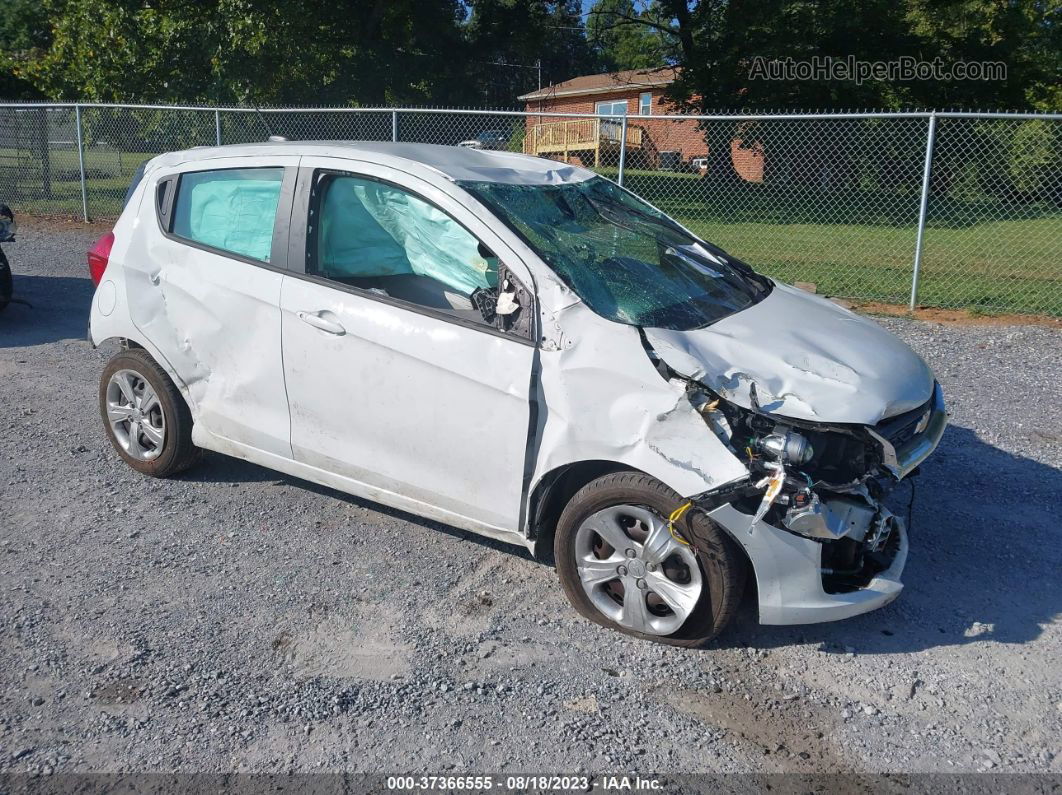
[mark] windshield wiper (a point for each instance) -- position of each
(614, 212)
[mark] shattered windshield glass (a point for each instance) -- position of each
(627, 261)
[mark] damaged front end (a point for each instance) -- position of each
(828, 412)
(826, 483)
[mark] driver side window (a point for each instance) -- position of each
(380, 238)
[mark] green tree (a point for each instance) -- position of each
(251, 50)
(1034, 160)
(625, 46)
(23, 34)
(341, 52)
(1024, 35)
(507, 41)
(716, 43)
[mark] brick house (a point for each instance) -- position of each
(596, 142)
(615, 94)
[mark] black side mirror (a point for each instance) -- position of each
(485, 299)
(507, 307)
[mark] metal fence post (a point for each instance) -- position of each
(394, 126)
(920, 237)
(81, 162)
(623, 149)
(217, 126)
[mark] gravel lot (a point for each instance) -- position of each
(238, 619)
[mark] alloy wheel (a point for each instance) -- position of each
(135, 415)
(635, 572)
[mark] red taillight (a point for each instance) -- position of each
(98, 257)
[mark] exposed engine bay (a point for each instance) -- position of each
(821, 482)
(825, 482)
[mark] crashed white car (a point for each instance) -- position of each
(523, 349)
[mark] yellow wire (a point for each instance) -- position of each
(674, 517)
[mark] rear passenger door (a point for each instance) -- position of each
(211, 295)
(395, 379)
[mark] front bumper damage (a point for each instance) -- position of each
(828, 413)
(839, 552)
(789, 576)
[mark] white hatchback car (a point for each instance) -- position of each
(523, 349)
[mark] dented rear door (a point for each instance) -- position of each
(206, 293)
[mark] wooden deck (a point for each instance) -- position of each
(580, 135)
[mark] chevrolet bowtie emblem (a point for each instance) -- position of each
(922, 423)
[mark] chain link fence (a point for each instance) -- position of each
(927, 209)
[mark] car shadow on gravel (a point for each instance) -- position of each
(982, 566)
(217, 468)
(58, 310)
(983, 563)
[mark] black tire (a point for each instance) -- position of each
(723, 566)
(177, 452)
(6, 286)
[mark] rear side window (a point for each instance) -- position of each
(232, 210)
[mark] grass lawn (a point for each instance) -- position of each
(109, 173)
(986, 255)
(1004, 266)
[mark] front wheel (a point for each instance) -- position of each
(145, 416)
(621, 566)
(6, 287)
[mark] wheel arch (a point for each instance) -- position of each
(173, 450)
(132, 343)
(125, 342)
(553, 491)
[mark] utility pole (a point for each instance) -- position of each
(538, 65)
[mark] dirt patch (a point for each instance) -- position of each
(362, 647)
(492, 657)
(586, 704)
(775, 732)
(957, 317)
(61, 224)
(476, 604)
(494, 585)
(123, 691)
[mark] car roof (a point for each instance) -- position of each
(455, 162)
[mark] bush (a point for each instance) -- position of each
(1033, 162)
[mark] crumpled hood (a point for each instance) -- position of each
(809, 359)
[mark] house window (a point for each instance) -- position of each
(645, 103)
(616, 107)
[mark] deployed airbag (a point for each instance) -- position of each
(370, 229)
(233, 209)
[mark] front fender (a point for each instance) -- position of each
(605, 400)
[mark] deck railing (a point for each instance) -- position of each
(578, 134)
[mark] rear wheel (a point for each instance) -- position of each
(621, 566)
(145, 415)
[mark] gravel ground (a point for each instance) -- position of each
(238, 619)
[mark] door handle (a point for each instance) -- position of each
(321, 323)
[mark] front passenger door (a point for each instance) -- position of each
(395, 379)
